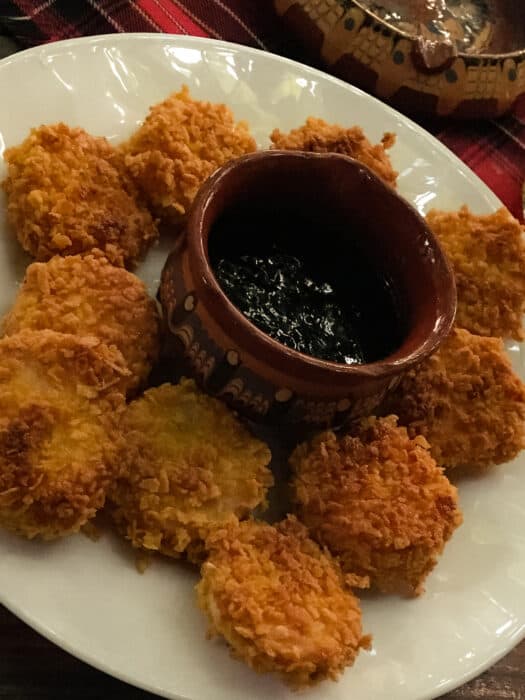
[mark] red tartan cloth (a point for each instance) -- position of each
(495, 150)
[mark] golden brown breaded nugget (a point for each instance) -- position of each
(280, 602)
(487, 254)
(68, 193)
(59, 409)
(377, 500)
(181, 143)
(190, 465)
(319, 137)
(466, 401)
(86, 295)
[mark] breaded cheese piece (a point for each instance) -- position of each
(68, 192)
(59, 408)
(377, 500)
(189, 466)
(317, 136)
(487, 254)
(181, 143)
(280, 603)
(87, 296)
(466, 400)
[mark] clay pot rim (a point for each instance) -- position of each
(392, 365)
(518, 53)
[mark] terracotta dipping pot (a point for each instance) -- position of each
(346, 205)
(358, 46)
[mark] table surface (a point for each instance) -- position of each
(31, 667)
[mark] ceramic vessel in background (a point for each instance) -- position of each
(211, 340)
(359, 47)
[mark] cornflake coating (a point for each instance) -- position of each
(317, 136)
(68, 193)
(86, 295)
(59, 410)
(487, 254)
(189, 466)
(378, 501)
(466, 401)
(181, 143)
(280, 602)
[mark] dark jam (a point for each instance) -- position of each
(339, 308)
(276, 293)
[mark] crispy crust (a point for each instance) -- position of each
(466, 401)
(189, 465)
(68, 193)
(488, 257)
(317, 136)
(59, 408)
(86, 295)
(378, 501)
(280, 602)
(181, 143)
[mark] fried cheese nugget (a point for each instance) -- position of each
(86, 295)
(487, 254)
(190, 465)
(59, 409)
(67, 193)
(280, 603)
(316, 136)
(181, 143)
(378, 501)
(466, 401)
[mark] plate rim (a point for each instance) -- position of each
(220, 43)
(99, 665)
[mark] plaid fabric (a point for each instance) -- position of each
(494, 150)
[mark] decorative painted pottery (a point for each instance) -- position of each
(347, 205)
(463, 59)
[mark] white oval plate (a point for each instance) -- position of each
(87, 597)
